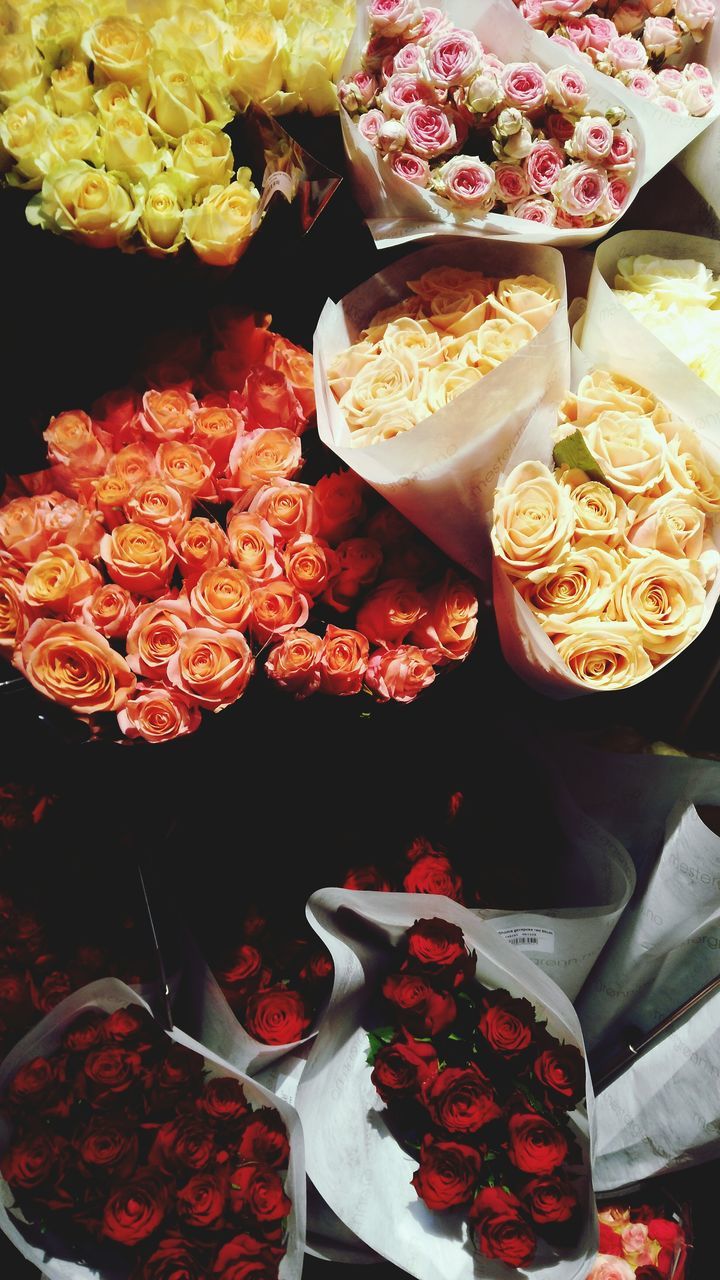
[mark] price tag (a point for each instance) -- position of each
(530, 938)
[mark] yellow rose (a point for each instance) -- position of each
(415, 337)
(446, 381)
(203, 159)
(89, 204)
(120, 48)
(255, 57)
(113, 97)
(629, 451)
(678, 282)
(8, 18)
(178, 99)
(161, 223)
(601, 515)
(72, 138)
(193, 29)
(128, 147)
(578, 586)
(604, 655)
(664, 599)
(57, 31)
(70, 89)
(21, 70)
(383, 385)
(533, 519)
(529, 297)
(25, 134)
(219, 229)
(601, 390)
(690, 471)
(314, 60)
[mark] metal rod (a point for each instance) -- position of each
(165, 1014)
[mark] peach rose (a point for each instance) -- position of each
(71, 523)
(340, 500)
(14, 620)
(167, 415)
(529, 297)
(58, 580)
(289, 508)
(294, 663)
(343, 661)
(690, 471)
(664, 599)
(110, 610)
(158, 714)
(606, 1267)
(155, 635)
(391, 612)
(22, 527)
(578, 586)
(74, 666)
(216, 429)
(111, 494)
(358, 562)
(450, 623)
(533, 519)
(211, 667)
(262, 457)
(252, 547)
(604, 655)
(400, 673)
(221, 598)
(187, 467)
(133, 464)
(139, 558)
(309, 564)
(277, 607)
(73, 444)
(600, 514)
(630, 451)
(159, 505)
(672, 524)
(297, 365)
(201, 544)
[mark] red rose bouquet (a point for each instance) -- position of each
(642, 1240)
(477, 1070)
(133, 1153)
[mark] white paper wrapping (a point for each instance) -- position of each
(109, 994)
(442, 473)
(664, 1112)
(612, 336)
(699, 163)
(397, 211)
(666, 948)
(357, 1166)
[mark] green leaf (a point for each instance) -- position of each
(573, 452)
(453, 1036)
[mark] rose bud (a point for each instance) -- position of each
(461, 1100)
(561, 1071)
(276, 1016)
(259, 1193)
(434, 874)
(506, 1023)
(401, 1068)
(499, 1229)
(420, 1008)
(264, 1140)
(448, 1173)
(536, 1146)
(439, 948)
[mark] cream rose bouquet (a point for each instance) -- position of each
(606, 565)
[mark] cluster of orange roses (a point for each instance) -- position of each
(122, 591)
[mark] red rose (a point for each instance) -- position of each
(461, 1099)
(318, 969)
(178, 1071)
(54, 987)
(448, 1173)
(536, 1145)
(85, 1032)
(439, 947)
(108, 1148)
(609, 1241)
(276, 1016)
(223, 1099)
(243, 972)
(340, 504)
(133, 1028)
(259, 1192)
(110, 1074)
(499, 1229)
(136, 1209)
(506, 1023)
(32, 1160)
(174, 1259)
(13, 993)
(549, 1199)
(183, 1143)
(664, 1231)
(401, 1068)
(649, 1272)
(201, 1202)
(245, 1258)
(561, 1072)
(34, 1085)
(264, 1139)
(433, 873)
(269, 401)
(369, 877)
(420, 1008)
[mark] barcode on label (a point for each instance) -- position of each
(530, 939)
(526, 940)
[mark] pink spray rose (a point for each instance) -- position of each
(523, 84)
(430, 131)
(592, 139)
(625, 53)
(543, 165)
(411, 168)
(453, 58)
(580, 189)
(567, 89)
(401, 91)
(468, 182)
(511, 182)
(662, 37)
(534, 209)
(694, 15)
(369, 124)
(395, 17)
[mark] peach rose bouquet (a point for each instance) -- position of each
(611, 553)
(170, 548)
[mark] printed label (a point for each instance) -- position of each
(530, 939)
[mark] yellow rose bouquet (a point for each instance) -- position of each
(606, 564)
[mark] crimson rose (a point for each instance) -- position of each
(85, 1032)
(433, 873)
(439, 949)
(109, 1075)
(136, 1209)
(536, 1145)
(499, 1229)
(263, 1139)
(201, 1202)
(276, 1016)
(420, 1008)
(108, 1148)
(174, 1259)
(549, 1199)
(448, 1173)
(461, 1099)
(506, 1023)
(400, 1069)
(367, 878)
(223, 1100)
(184, 1143)
(259, 1192)
(561, 1072)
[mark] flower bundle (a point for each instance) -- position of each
(612, 551)
(445, 114)
(122, 591)
(422, 869)
(644, 44)
(678, 300)
(125, 1145)
(640, 1242)
(117, 120)
(415, 357)
(476, 1085)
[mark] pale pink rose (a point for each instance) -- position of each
(453, 58)
(580, 189)
(567, 89)
(625, 53)
(395, 17)
(565, 43)
(697, 96)
(609, 1268)
(468, 182)
(543, 166)
(430, 131)
(694, 15)
(357, 92)
(110, 610)
(616, 197)
(401, 91)
(399, 674)
(387, 68)
(674, 105)
(592, 139)
(409, 60)
(511, 182)
(629, 17)
(523, 84)
(391, 137)
(411, 168)
(565, 8)
(433, 21)
(534, 209)
(601, 30)
(643, 83)
(623, 153)
(158, 714)
(697, 71)
(578, 33)
(377, 50)
(369, 124)
(670, 81)
(533, 11)
(634, 1237)
(560, 127)
(662, 37)
(491, 63)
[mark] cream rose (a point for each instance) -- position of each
(604, 655)
(530, 297)
(664, 599)
(601, 515)
(383, 384)
(120, 48)
(679, 282)
(75, 666)
(220, 228)
(690, 471)
(600, 390)
(533, 519)
(87, 203)
(578, 586)
(314, 59)
(671, 524)
(497, 340)
(21, 69)
(631, 453)
(417, 339)
(25, 134)
(447, 381)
